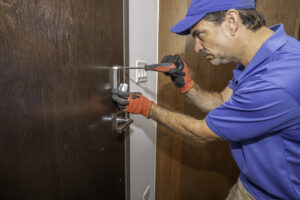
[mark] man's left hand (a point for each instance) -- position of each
(132, 102)
(180, 75)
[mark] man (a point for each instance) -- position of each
(258, 113)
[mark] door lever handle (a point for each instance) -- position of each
(122, 120)
(119, 124)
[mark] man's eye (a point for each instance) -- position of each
(200, 37)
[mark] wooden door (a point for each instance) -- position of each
(185, 169)
(53, 143)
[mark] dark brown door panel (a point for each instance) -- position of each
(53, 144)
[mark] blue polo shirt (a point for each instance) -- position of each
(262, 119)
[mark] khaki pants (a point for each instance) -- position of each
(238, 192)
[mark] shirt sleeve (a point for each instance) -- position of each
(256, 109)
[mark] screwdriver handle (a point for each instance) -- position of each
(160, 67)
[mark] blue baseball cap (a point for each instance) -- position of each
(199, 8)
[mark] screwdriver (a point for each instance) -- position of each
(160, 67)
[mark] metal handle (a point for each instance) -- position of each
(122, 124)
(119, 124)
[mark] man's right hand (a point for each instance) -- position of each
(180, 76)
(132, 102)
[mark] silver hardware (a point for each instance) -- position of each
(116, 76)
(123, 87)
(119, 124)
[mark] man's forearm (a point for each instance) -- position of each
(184, 125)
(204, 100)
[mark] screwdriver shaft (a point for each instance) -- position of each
(132, 67)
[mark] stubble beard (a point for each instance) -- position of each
(215, 62)
(218, 60)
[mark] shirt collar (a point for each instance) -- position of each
(272, 44)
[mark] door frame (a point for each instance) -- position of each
(126, 80)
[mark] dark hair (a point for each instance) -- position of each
(251, 18)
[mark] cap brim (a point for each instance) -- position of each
(183, 27)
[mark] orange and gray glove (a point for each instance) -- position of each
(132, 102)
(180, 76)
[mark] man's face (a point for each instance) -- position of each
(212, 42)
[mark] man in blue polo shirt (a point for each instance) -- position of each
(258, 113)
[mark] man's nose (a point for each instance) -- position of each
(198, 46)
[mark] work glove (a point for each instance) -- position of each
(180, 76)
(132, 102)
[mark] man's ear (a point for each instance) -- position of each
(232, 21)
